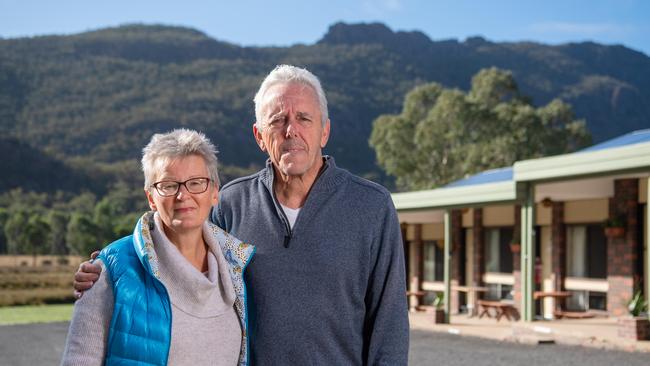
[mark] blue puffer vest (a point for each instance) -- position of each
(140, 329)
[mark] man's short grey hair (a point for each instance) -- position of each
(288, 74)
(179, 143)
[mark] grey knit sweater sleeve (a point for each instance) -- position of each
(88, 333)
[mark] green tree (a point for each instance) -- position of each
(104, 217)
(4, 216)
(81, 236)
(36, 234)
(115, 215)
(58, 221)
(27, 233)
(447, 134)
(124, 224)
(15, 231)
(83, 203)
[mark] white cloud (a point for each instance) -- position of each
(381, 7)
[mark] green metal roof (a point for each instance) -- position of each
(442, 198)
(625, 159)
(632, 158)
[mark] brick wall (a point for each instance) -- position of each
(558, 245)
(637, 329)
(622, 252)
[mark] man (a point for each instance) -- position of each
(326, 286)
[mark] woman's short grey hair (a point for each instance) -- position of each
(179, 143)
(287, 74)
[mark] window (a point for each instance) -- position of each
(586, 251)
(498, 291)
(498, 257)
(586, 300)
(586, 258)
(434, 257)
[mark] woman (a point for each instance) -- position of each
(173, 292)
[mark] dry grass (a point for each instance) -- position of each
(36, 285)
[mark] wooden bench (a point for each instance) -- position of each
(573, 314)
(500, 308)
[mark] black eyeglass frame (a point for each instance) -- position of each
(179, 184)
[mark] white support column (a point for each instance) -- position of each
(646, 243)
(528, 254)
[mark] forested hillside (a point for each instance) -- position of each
(91, 101)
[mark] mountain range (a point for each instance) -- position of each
(95, 98)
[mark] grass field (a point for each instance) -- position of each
(35, 314)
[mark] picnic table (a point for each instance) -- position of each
(497, 309)
(554, 294)
(558, 312)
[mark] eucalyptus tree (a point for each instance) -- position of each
(446, 134)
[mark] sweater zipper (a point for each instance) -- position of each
(278, 207)
(285, 220)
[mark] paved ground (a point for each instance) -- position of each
(432, 348)
(42, 344)
(31, 345)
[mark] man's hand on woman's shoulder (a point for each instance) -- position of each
(86, 276)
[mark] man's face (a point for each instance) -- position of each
(292, 133)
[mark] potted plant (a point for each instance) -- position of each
(636, 326)
(515, 247)
(439, 308)
(615, 227)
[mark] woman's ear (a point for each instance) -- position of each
(214, 198)
(152, 204)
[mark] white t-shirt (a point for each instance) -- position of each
(291, 213)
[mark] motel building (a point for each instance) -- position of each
(560, 236)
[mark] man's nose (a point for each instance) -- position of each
(292, 127)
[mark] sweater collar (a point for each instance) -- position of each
(329, 177)
(189, 289)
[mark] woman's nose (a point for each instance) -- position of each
(182, 192)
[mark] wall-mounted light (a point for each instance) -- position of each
(547, 202)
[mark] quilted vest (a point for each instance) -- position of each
(140, 328)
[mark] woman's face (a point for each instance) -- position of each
(183, 211)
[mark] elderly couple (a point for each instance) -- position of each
(317, 280)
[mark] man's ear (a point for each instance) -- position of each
(325, 135)
(258, 137)
(152, 204)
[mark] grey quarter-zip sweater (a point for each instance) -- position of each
(330, 291)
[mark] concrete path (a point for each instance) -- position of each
(601, 333)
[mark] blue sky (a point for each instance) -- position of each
(286, 22)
